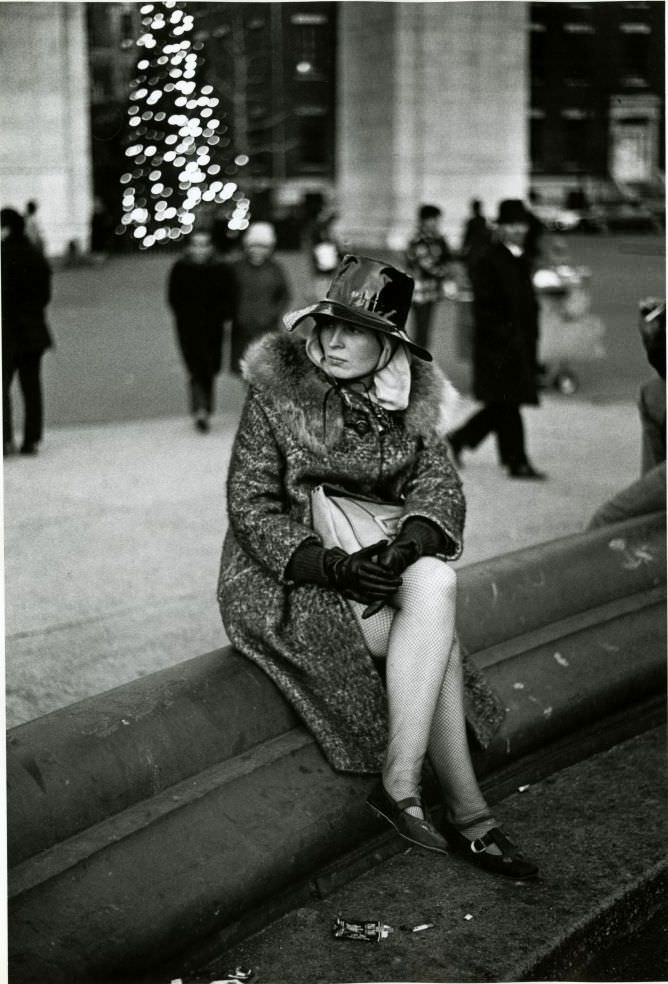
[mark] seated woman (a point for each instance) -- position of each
(354, 403)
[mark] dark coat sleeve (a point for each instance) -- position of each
(175, 288)
(257, 503)
(434, 492)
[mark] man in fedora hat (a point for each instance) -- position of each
(505, 342)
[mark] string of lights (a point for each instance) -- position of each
(179, 153)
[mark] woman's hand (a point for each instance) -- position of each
(358, 576)
(399, 555)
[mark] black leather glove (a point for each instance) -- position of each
(399, 555)
(359, 577)
(417, 538)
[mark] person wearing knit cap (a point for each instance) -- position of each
(262, 290)
(361, 641)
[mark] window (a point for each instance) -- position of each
(310, 50)
(102, 87)
(575, 124)
(579, 53)
(128, 31)
(537, 139)
(312, 137)
(99, 28)
(537, 47)
(635, 54)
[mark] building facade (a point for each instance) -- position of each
(45, 149)
(432, 103)
(376, 106)
(597, 93)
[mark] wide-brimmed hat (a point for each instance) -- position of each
(511, 211)
(367, 293)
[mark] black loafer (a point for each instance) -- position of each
(420, 832)
(510, 861)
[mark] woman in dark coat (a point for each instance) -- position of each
(505, 343)
(200, 292)
(359, 406)
(26, 291)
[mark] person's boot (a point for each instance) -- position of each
(202, 422)
(526, 470)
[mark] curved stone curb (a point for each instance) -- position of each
(159, 812)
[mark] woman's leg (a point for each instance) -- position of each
(450, 756)
(419, 645)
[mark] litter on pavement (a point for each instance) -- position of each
(367, 930)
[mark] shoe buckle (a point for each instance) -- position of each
(478, 845)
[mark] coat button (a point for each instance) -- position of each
(361, 426)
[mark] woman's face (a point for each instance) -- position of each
(350, 352)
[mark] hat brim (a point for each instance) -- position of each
(361, 318)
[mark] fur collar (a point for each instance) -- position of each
(277, 366)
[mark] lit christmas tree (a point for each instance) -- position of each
(179, 155)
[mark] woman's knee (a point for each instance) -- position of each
(432, 579)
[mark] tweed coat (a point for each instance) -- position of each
(295, 432)
(505, 332)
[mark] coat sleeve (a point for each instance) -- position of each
(434, 492)
(256, 500)
(175, 288)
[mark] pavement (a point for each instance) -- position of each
(602, 881)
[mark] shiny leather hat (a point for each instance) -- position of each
(369, 294)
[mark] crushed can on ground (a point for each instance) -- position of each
(371, 931)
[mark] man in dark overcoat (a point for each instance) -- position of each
(26, 291)
(201, 294)
(505, 343)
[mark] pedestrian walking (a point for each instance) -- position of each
(346, 419)
(262, 290)
(476, 237)
(200, 292)
(26, 292)
(505, 342)
(33, 227)
(428, 261)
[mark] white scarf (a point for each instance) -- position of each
(391, 385)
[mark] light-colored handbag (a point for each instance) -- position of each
(352, 522)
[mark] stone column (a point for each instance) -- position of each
(45, 148)
(432, 107)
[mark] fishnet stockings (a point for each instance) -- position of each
(424, 682)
